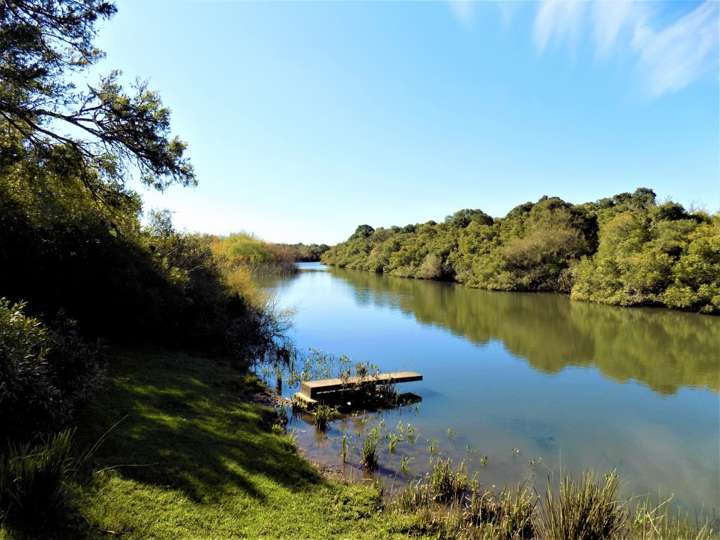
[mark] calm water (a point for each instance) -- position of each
(534, 382)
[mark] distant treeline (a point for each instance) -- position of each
(304, 252)
(241, 256)
(624, 250)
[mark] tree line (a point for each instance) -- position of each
(626, 250)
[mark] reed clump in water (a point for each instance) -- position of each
(323, 415)
(586, 509)
(369, 456)
(446, 504)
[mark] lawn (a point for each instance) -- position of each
(194, 457)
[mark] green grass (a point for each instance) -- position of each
(195, 458)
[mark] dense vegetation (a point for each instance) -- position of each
(95, 442)
(626, 250)
(665, 350)
(304, 252)
(78, 268)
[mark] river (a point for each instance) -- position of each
(519, 385)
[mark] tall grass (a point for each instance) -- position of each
(33, 480)
(445, 504)
(445, 483)
(369, 455)
(584, 510)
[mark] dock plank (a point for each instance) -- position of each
(311, 389)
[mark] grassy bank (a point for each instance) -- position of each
(194, 457)
(193, 454)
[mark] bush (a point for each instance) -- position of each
(626, 250)
(60, 250)
(44, 372)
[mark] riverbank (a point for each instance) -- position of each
(627, 250)
(195, 455)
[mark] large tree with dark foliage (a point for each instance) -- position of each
(102, 128)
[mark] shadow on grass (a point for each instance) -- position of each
(190, 425)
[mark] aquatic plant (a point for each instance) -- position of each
(446, 483)
(361, 370)
(509, 515)
(405, 465)
(369, 450)
(411, 433)
(655, 521)
(584, 509)
(324, 414)
(344, 447)
(445, 504)
(393, 439)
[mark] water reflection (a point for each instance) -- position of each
(500, 373)
(662, 349)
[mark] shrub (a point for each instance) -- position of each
(44, 372)
(625, 251)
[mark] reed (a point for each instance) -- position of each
(583, 510)
(369, 450)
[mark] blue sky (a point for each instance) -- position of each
(307, 119)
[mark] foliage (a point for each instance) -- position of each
(663, 349)
(45, 373)
(101, 130)
(626, 250)
(241, 257)
(304, 252)
(446, 484)
(118, 279)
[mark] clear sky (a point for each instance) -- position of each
(307, 119)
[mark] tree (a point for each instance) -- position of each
(463, 218)
(363, 231)
(101, 130)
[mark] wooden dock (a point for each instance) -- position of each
(311, 391)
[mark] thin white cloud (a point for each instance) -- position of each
(559, 20)
(611, 18)
(676, 55)
(670, 57)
